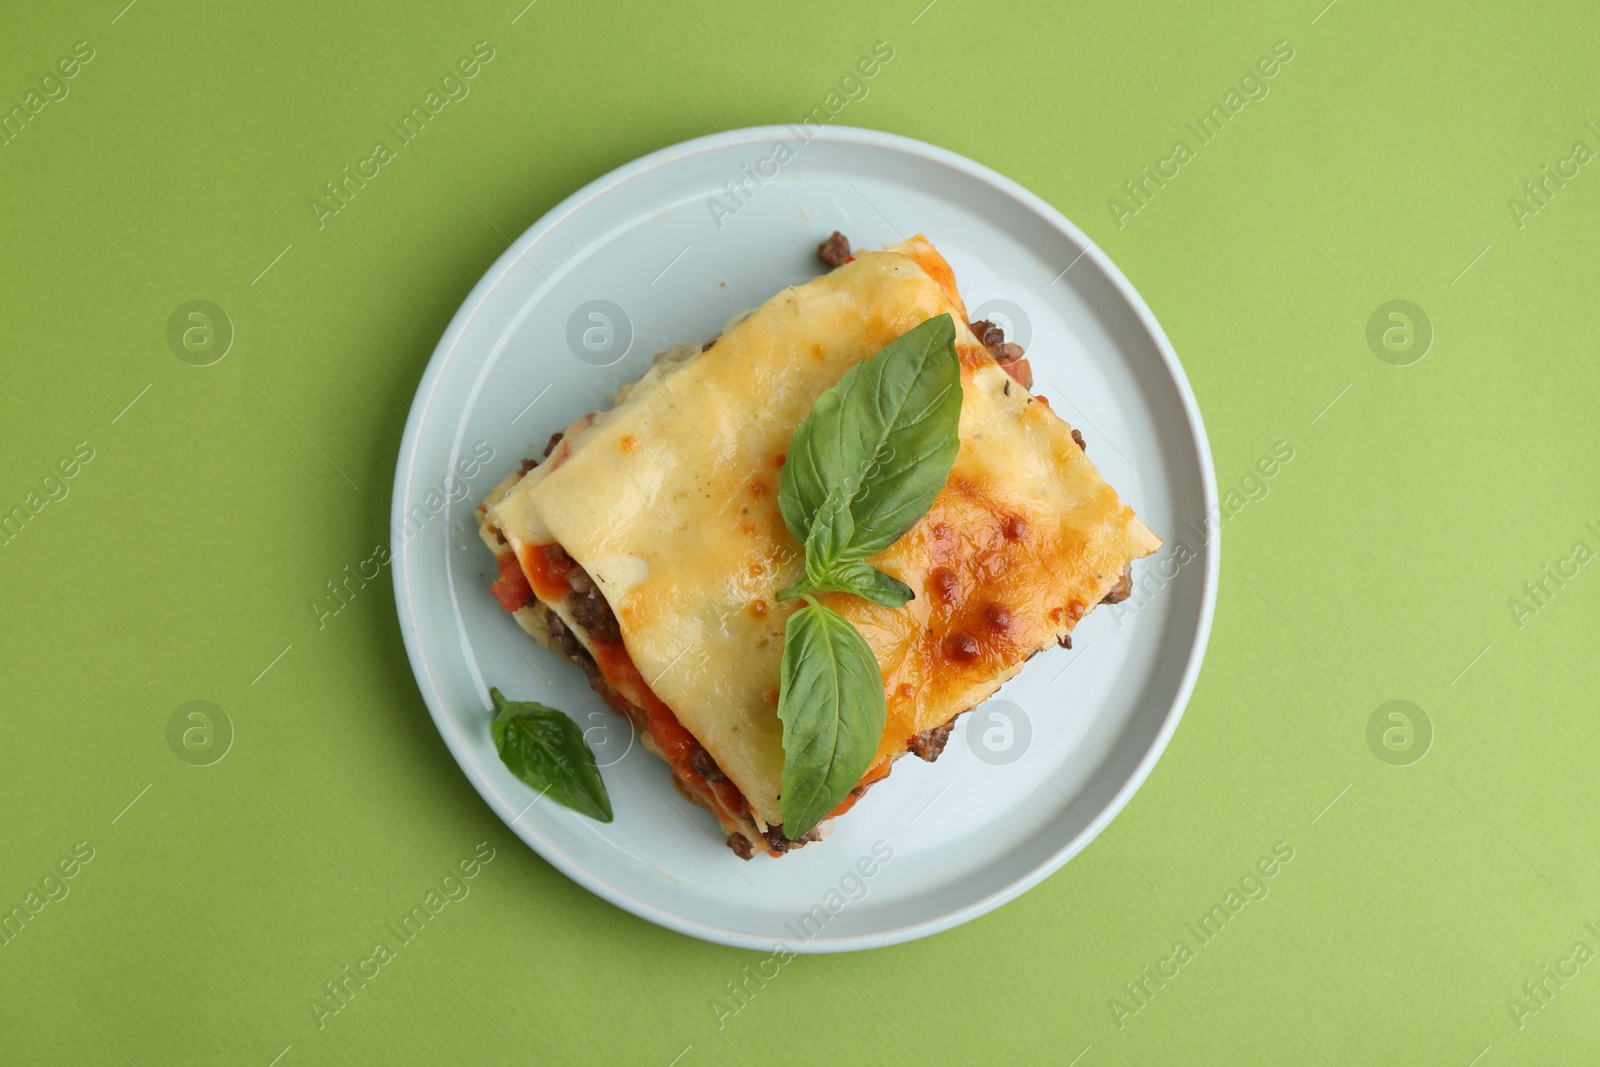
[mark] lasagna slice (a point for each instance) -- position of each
(648, 545)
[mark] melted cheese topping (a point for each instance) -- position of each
(669, 501)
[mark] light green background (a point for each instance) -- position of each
(1379, 566)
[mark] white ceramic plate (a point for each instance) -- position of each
(1025, 782)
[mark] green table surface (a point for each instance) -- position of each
(1431, 540)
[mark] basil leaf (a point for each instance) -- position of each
(863, 466)
(827, 541)
(885, 435)
(795, 591)
(832, 531)
(831, 702)
(866, 581)
(545, 748)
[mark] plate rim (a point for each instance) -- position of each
(403, 555)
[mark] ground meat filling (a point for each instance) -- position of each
(1123, 589)
(835, 251)
(593, 613)
(927, 745)
(528, 464)
(1005, 353)
(573, 649)
(588, 606)
(705, 766)
(745, 849)
(778, 844)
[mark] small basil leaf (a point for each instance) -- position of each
(885, 435)
(831, 702)
(864, 580)
(545, 749)
(832, 530)
(795, 591)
